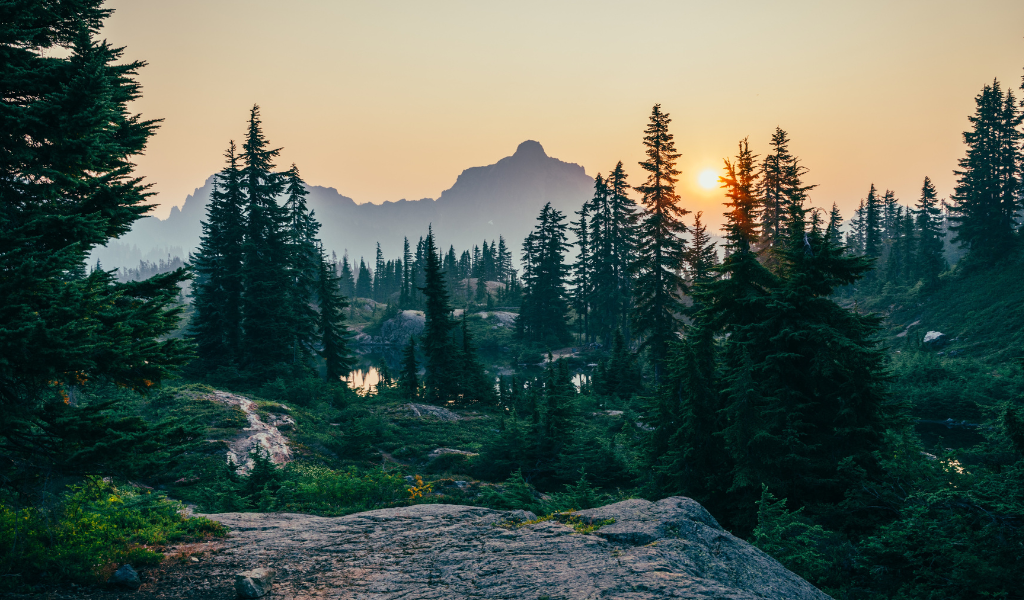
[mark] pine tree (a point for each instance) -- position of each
(700, 256)
(792, 421)
(989, 181)
(891, 222)
(543, 315)
(380, 277)
(621, 235)
(656, 302)
(410, 371)
(929, 260)
(474, 387)
(740, 183)
(304, 264)
(405, 300)
(216, 324)
(833, 233)
(582, 269)
(266, 317)
(67, 186)
(780, 189)
(441, 378)
(872, 224)
(334, 335)
(364, 281)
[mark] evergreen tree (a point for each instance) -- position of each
(700, 256)
(304, 264)
(380, 277)
(441, 378)
(504, 261)
(929, 260)
(333, 334)
(348, 280)
(891, 219)
(364, 281)
(872, 224)
(656, 302)
(405, 299)
(266, 318)
(543, 315)
(780, 188)
(835, 220)
(988, 189)
(803, 378)
(474, 386)
(583, 268)
(410, 371)
(216, 324)
(67, 156)
(621, 234)
(740, 183)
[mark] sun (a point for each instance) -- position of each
(708, 179)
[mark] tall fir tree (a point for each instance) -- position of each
(364, 281)
(791, 421)
(441, 378)
(656, 294)
(700, 256)
(621, 234)
(872, 225)
(543, 316)
(583, 272)
(304, 264)
(348, 279)
(987, 197)
(410, 371)
(67, 186)
(217, 290)
(380, 277)
(266, 317)
(405, 300)
(332, 332)
(780, 187)
(929, 259)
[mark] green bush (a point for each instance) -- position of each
(88, 531)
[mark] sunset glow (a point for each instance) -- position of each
(708, 179)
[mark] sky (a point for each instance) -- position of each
(392, 100)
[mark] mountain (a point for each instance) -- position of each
(485, 202)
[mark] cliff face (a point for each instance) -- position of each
(502, 199)
(667, 549)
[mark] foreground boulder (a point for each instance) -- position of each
(125, 577)
(640, 550)
(254, 584)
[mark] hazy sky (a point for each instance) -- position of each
(391, 100)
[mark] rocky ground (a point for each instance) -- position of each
(640, 550)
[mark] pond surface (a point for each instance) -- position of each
(366, 375)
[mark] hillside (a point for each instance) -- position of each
(486, 202)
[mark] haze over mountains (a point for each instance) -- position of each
(485, 202)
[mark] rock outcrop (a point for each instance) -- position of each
(257, 434)
(639, 550)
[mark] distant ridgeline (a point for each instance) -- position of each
(502, 199)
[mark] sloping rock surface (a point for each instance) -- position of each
(667, 549)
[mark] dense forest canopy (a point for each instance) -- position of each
(792, 378)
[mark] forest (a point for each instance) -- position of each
(846, 393)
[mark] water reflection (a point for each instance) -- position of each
(365, 377)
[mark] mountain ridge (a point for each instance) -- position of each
(501, 199)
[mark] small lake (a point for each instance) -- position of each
(365, 376)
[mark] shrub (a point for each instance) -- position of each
(89, 530)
